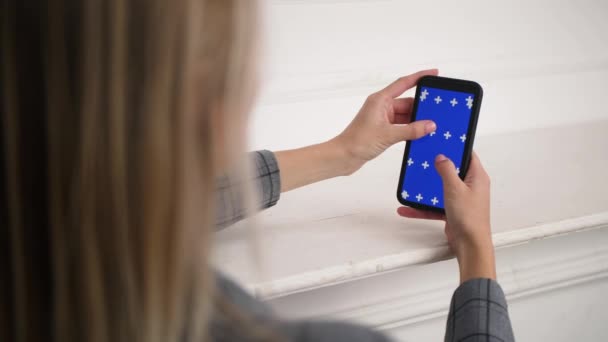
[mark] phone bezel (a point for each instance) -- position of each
(446, 84)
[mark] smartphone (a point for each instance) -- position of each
(454, 106)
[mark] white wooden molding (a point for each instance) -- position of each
(349, 272)
(531, 279)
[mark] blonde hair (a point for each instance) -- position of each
(109, 155)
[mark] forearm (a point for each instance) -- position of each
(314, 163)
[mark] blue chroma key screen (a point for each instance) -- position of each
(451, 111)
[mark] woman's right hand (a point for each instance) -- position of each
(467, 207)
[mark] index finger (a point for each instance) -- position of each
(406, 82)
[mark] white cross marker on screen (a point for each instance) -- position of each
(405, 195)
(463, 138)
(432, 133)
(423, 95)
(419, 197)
(469, 101)
(454, 102)
(435, 200)
(437, 99)
(410, 162)
(447, 135)
(425, 165)
(457, 170)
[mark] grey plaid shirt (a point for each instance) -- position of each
(267, 181)
(478, 311)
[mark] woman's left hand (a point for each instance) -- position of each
(383, 121)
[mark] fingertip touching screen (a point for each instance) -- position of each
(451, 111)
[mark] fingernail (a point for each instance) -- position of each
(430, 127)
(440, 158)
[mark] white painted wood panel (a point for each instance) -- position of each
(540, 62)
(545, 182)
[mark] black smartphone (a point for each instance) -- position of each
(454, 106)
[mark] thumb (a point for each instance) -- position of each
(411, 131)
(446, 169)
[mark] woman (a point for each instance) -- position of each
(122, 121)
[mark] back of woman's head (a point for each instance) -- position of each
(113, 119)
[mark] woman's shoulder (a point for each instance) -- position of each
(322, 331)
(240, 298)
(293, 330)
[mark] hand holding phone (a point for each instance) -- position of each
(467, 228)
(454, 106)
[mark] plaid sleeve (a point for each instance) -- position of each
(267, 181)
(267, 178)
(478, 312)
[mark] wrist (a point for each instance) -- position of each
(475, 242)
(476, 261)
(345, 160)
(314, 163)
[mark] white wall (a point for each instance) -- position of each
(540, 62)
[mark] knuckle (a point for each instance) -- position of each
(373, 98)
(445, 170)
(485, 179)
